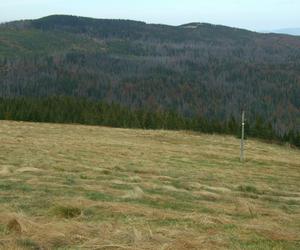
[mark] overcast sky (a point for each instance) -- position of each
(250, 14)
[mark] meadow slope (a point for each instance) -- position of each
(84, 187)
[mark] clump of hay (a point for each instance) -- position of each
(136, 193)
(135, 178)
(5, 170)
(14, 226)
(67, 212)
(28, 169)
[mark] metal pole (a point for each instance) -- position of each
(242, 158)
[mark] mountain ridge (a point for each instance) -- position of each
(288, 31)
(38, 23)
(212, 71)
(282, 31)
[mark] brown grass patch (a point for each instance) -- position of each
(84, 187)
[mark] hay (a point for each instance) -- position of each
(84, 187)
(136, 193)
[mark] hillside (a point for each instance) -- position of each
(195, 69)
(290, 31)
(70, 186)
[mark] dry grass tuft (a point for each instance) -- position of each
(136, 193)
(28, 169)
(14, 226)
(5, 170)
(66, 212)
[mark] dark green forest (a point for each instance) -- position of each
(83, 111)
(196, 73)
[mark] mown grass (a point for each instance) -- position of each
(81, 187)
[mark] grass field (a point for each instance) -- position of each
(80, 187)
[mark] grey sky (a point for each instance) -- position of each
(250, 14)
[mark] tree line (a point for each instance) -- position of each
(88, 112)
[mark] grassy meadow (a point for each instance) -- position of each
(85, 187)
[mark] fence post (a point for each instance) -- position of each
(242, 157)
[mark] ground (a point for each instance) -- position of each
(84, 187)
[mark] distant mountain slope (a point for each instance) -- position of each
(195, 69)
(291, 31)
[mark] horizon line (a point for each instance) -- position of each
(156, 23)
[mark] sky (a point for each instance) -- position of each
(259, 15)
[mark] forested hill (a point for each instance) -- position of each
(195, 69)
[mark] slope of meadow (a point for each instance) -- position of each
(81, 187)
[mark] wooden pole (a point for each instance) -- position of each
(242, 157)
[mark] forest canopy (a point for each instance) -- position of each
(194, 70)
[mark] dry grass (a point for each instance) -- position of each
(80, 187)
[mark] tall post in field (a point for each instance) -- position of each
(242, 158)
